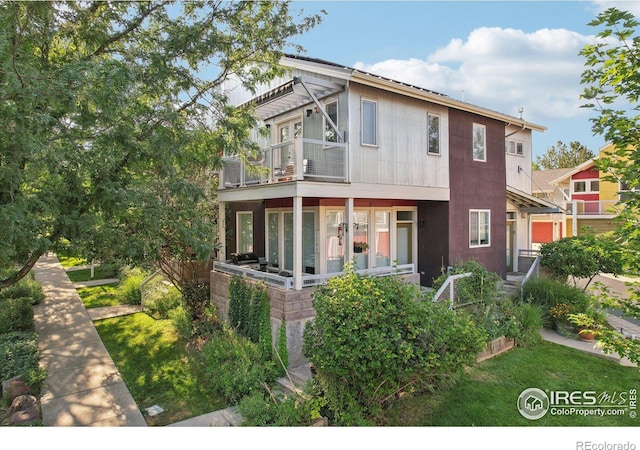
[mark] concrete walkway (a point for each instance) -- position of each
(83, 386)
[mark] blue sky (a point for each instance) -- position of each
(500, 55)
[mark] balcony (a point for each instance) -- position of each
(592, 208)
(295, 160)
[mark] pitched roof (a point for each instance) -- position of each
(542, 179)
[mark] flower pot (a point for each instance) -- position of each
(586, 334)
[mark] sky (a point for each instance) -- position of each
(501, 55)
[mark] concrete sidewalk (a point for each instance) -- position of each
(83, 386)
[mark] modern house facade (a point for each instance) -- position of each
(357, 168)
(588, 201)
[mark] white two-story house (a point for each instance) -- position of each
(358, 168)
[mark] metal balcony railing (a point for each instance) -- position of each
(299, 159)
(592, 207)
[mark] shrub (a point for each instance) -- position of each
(529, 318)
(548, 293)
(19, 356)
(481, 286)
(129, 290)
(372, 338)
(16, 314)
(182, 321)
(196, 298)
(162, 301)
(233, 365)
(250, 313)
(27, 287)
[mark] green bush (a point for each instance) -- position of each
(27, 287)
(233, 365)
(547, 293)
(182, 321)
(20, 356)
(197, 297)
(161, 302)
(16, 314)
(372, 338)
(530, 319)
(250, 313)
(130, 280)
(481, 286)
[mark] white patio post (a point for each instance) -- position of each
(222, 231)
(574, 221)
(348, 235)
(297, 242)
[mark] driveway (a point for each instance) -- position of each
(618, 286)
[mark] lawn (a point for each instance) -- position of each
(85, 274)
(71, 261)
(99, 296)
(158, 368)
(487, 394)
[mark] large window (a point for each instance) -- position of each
(433, 134)
(369, 122)
(479, 142)
(586, 186)
(479, 227)
(244, 232)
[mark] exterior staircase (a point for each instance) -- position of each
(511, 286)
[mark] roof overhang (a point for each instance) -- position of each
(527, 203)
(293, 94)
(584, 166)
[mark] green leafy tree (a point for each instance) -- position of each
(114, 120)
(582, 257)
(612, 90)
(561, 156)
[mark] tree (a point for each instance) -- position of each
(560, 156)
(612, 90)
(114, 120)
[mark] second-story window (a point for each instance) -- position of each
(514, 147)
(433, 134)
(330, 134)
(369, 122)
(479, 142)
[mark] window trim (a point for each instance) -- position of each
(479, 244)
(429, 152)
(515, 143)
(587, 186)
(375, 125)
(484, 142)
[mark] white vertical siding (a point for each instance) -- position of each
(401, 154)
(520, 180)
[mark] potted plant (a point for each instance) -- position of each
(589, 323)
(359, 247)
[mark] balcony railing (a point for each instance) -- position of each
(299, 159)
(592, 207)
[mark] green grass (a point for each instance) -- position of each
(71, 261)
(99, 296)
(158, 367)
(487, 394)
(85, 274)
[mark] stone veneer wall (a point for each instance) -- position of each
(294, 306)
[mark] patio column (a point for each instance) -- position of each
(348, 235)
(297, 242)
(222, 231)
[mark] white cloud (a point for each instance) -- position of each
(503, 69)
(633, 6)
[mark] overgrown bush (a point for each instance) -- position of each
(530, 319)
(372, 338)
(547, 293)
(197, 297)
(261, 409)
(16, 314)
(20, 356)
(27, 287)
(233, 365)
(130, 280)
(481, 286)
(182, 321)
(161, 302)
